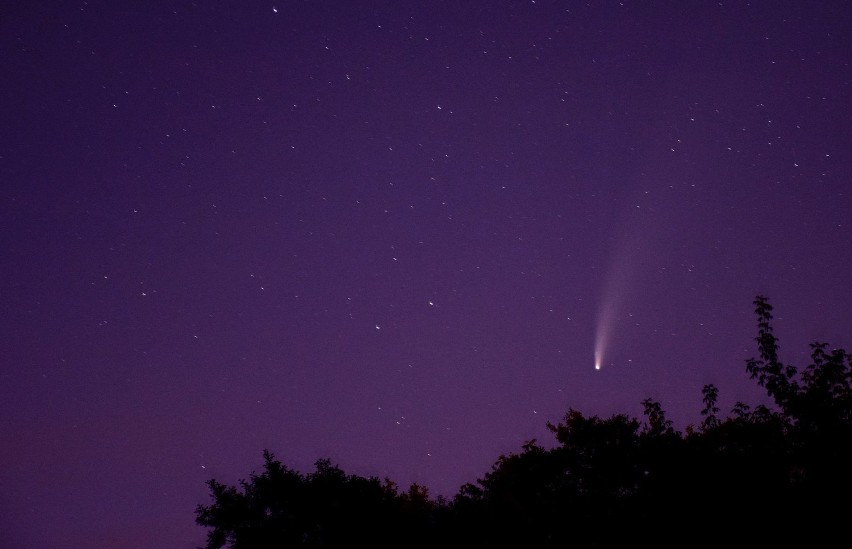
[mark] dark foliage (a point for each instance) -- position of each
(761, 476)
(327, 508)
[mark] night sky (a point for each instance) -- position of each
(392, 234)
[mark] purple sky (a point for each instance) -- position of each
(390, 234)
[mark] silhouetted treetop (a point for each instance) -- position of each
(761, 476)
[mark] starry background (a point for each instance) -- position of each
(390, 233)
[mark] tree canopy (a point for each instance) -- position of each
(770, 475)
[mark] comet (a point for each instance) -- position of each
(605, 321)
(616, 286)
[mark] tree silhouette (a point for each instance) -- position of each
(769, 476)
(711, 396)
(327, 508)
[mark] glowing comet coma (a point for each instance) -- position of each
(615, 288)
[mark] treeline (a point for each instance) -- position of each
(764, 476)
